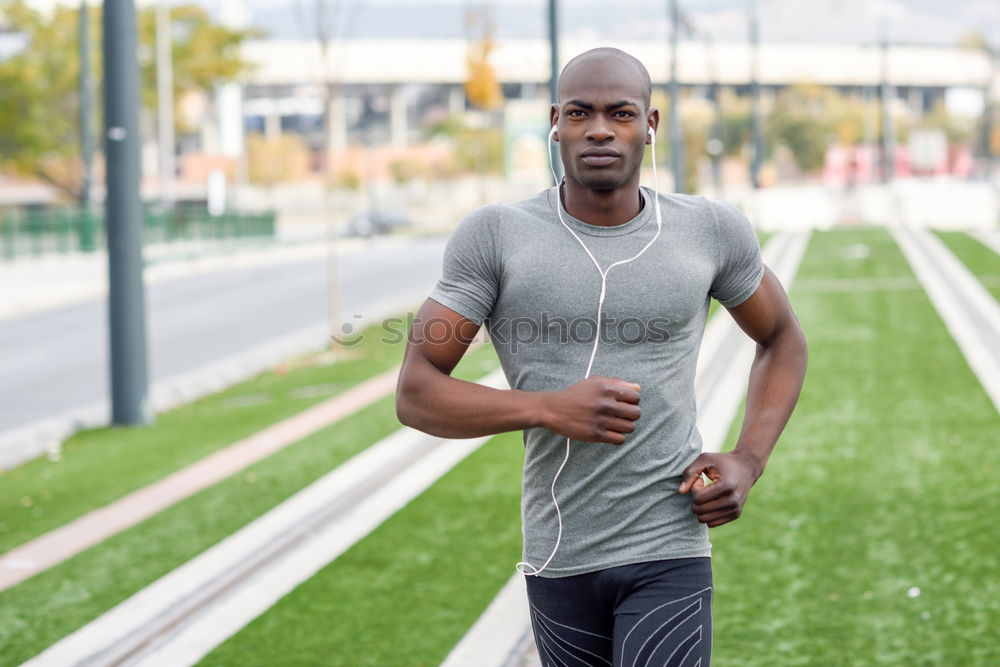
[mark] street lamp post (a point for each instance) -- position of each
(757, 156)
(888, 129)
(676, 134)
(86, 103)
(126, 299)
(165, 104)
(553, 22)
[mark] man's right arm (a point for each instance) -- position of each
(598, 409)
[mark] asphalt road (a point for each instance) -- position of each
(56, 361)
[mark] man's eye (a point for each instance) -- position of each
(574, 113)
(624, 114)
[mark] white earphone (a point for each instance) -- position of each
(523, 565)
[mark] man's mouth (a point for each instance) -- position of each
(599, 157)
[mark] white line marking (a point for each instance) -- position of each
(954, 291)
(990, 239)
(499, 631)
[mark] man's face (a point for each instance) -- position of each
(602, 124)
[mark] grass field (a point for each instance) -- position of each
(50, 605)
(409, 591)
(868, 539)
(866, 542)
(100, 465)
(982, 261)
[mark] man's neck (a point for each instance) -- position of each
(605, 208)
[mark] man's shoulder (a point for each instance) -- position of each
(685, 203)
(702, 212)
(493, 215)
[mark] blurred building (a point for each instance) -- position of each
(387, 90)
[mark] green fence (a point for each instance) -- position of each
(62, 230)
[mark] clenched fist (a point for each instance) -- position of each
(598, 409)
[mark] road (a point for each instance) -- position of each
(57, 361)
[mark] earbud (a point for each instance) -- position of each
(552, 132)
(652, 134)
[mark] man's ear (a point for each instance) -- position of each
(652, 122)
(553, 119)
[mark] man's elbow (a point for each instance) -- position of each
(406, 409)
(789, 341)
(796, 345)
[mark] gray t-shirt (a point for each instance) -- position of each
(516, 268)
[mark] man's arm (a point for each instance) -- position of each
(598, 409)
(775, 382)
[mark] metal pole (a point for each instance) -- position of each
(716, 143)
(126, 307)
(86, 102)
(554, 156)
(757, 156)
(676, 135)
(165, 104)
(888, 130)
(987, 143)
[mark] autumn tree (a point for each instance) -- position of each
(481, 86)
(39, 104)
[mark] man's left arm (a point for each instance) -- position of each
(775, 382)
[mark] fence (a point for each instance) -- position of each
(64, 230)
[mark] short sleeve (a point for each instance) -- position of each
(470, 272)
(740, 267)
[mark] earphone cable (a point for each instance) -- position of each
(523, 566)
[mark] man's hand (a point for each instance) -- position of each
(598, 409)
(732, 475)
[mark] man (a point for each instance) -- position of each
(615, 508)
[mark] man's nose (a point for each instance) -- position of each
(599, 129)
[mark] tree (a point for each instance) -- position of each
(802, 121)
(40, 117)
(40, 102)
(203, 52)
(481, 86)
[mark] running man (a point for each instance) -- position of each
(604, 279)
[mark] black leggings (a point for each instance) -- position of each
(657, 613)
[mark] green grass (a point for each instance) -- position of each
(407, 593)
(883, 481)
(981, 260)
(39, 611)
(101, 465)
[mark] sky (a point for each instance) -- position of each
(940, 22)
(936, 22)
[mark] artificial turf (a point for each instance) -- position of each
(868, 539)
(978, 258)
(409, 591)
(98, 466)
(39, 611)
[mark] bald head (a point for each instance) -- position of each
(607, 61)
